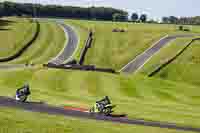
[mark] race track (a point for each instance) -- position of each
(44, 108)
(70, 45)
(141, 59)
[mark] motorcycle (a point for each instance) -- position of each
(22, 94)
(103, 106)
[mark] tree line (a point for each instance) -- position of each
(38, 10)
(90, 13)
(181, 20)
(167, 20)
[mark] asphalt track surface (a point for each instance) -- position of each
(70, 46)
(44, 108)
(141, 59)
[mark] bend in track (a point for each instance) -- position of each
(137, 63)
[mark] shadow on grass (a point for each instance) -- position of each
(4, 22)
(4, 29)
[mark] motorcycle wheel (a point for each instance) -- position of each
(107, 111)
(23, 98)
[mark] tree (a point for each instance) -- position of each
(120, 17)
(134, 17)
(173, 20)
(165, 20)
(143, 18)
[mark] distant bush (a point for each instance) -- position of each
(182, 28)
(118, 30)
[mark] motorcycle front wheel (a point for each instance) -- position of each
(107, 111)
(22, 98)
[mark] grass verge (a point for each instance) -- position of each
(14, 121)
(15, 35)
(48, 44)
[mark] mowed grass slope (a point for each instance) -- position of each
(15, 121)
(47, 46)
(111, 49)
(185, 68)
(137, 96)
(15, 33)
(165, 54)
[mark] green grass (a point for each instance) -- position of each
(18, 121)
(19, 32)
(165, 54)
(47, 46)
(185, 68)
(139, 97)
(117, 49)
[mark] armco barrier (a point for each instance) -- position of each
(21, 51)
(80, 67)
(159, 68)
(73, 65)
(85, 49)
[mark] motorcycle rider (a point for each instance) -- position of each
(23, 93)
(103, 106)
(102, 103)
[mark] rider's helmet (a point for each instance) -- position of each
(107, 100)
(26, 85)
(27, 89)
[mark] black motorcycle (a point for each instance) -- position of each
(22, 93)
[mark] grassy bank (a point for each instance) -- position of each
(47, 46)
(165, 54)
(14, 121)
(15, 33)
(185, 68)
(139, 97)
(111, 49)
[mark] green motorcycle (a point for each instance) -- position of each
(103, 106)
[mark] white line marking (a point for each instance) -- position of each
(143, 53)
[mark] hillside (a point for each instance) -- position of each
(114, 49)
(158, 98)
(185, 68)
(139, 97)
(48, 44)
(15, 33)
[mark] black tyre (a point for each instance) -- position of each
(107, 111)
(23, 98)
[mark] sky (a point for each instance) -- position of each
(153, 8)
